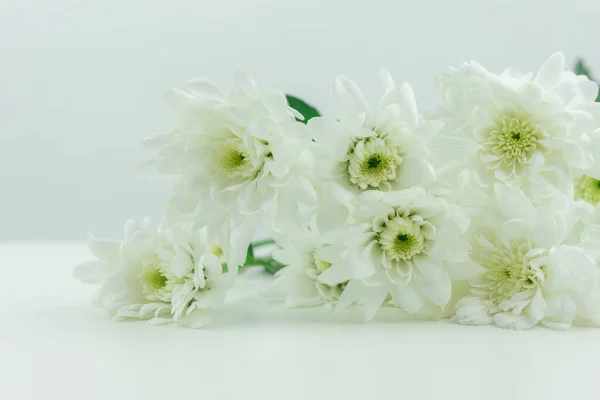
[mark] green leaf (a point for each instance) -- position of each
(582, 69)
(303, 108)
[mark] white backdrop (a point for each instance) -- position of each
(80, 81)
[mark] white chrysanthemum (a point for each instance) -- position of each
(534, 131)
(383, 149)
(303, 254)
(163, 275)
(241, 159)
(402, 244)
(531, 274)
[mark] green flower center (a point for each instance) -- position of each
(509, 270)
(153, 280)
(320, 265)
(328, 291)
(371, 162)
(402, 239)
(587, 189)
(232, 159)
(511, 143)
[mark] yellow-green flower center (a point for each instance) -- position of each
(320, 265)
(401, 239)
(509, 270)
(233, 159)
(510, 143)
(372, 162)
(153, 280)
(587, 189)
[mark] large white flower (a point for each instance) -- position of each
(241, 160)
(532, 130)
(402, 246)
(531, 272)
(160, 274)
(384, 148)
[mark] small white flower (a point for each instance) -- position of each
(383, 149)
(303, 254)
(531, 274)
(160, 274)
(534, 131)
(402, 246)
(241, 160)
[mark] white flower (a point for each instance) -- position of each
(402, 244)
(531, 274)
(383, 149)
(534, 131)
(160, 274)
(241, 160)
(302, 252)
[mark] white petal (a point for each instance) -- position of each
(407, 298)
(350, 96)
(350, 294)
(409, 105)
(373, 301)
(177, 99)
(93, 271)
(513, 202)
(551, 71)
(205, 88)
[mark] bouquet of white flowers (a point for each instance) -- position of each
(376, 205)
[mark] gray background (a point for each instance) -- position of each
(80, 81)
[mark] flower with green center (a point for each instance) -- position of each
(510, 270)
(398, 250)
(373, 163)
(533, 265)
(520, 129)
(383, 148)
(588, 189)
(162, 274)
(307, 257)
(240, 154)
(510, 144)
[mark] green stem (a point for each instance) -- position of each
(263, 242)
(268, 263)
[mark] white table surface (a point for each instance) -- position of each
(55, 345)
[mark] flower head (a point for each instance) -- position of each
(307, 256)
(401, 246)
(163, 274)
(381, 149)
(533, 131)
(241, 161)
(531, 272)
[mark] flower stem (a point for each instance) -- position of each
(268, 263)
(264, 242)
